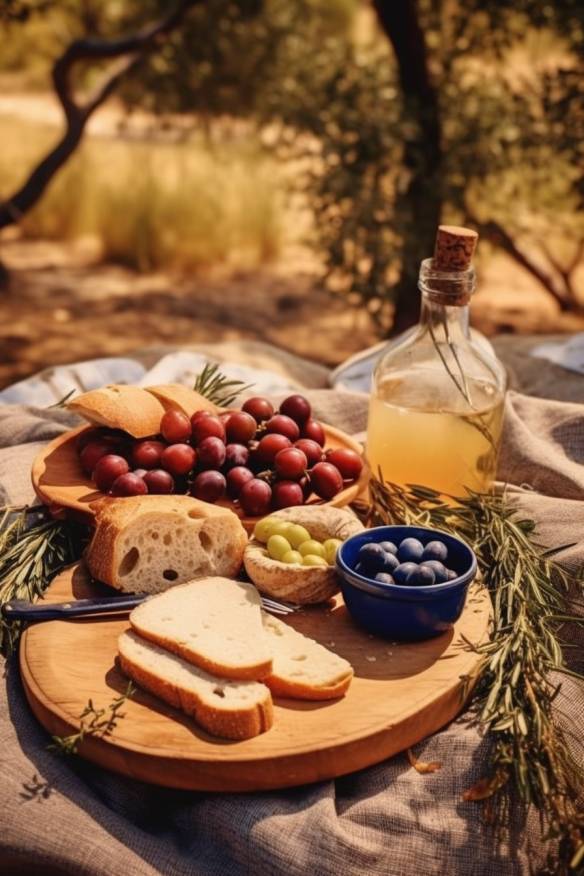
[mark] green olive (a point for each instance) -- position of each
(331, 546)
(292, 557)
(313, 560)
(278, 546)
(297, 534)
(311, 546)
(265, 528)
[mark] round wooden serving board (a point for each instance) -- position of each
(59, 480)
(400, 694)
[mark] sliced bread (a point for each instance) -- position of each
(302, 668)
(146, 544)
(214, 622)
(176, 397)
(232, 709)
(130, 408)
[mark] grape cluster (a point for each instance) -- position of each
(261, 458)
(410, 562)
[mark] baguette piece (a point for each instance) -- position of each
(214, 623)
(130, 408)
(232, 709)
(302, 668)
(176, 397)
(146, 544)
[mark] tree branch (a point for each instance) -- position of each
(495, 232)
(77, 114)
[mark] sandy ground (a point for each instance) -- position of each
(61, 308)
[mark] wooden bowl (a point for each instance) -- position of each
(60, 482)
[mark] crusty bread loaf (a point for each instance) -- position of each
(146, 544)
(130, 408)
(176, 397)
(215, 623)
(302, 668)
(232, 709)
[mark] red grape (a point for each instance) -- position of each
(178, 459)
(224, 416)
(314, 431)
(175, 427)
(208, 486)
(259, 408)
(306, 487)
(269, 446)
(287, 493)
(235, 455)
(92, 453)
(282, 425)
(101, 434)
(211, 452)
(207, 427)
(159, 481)
(348, 462)
(240, 427)
(108, 469)
(236, 478)
(140, 472)
(255, 497)
(290, 464)
(311, 450)
(326, 480)
(146, 454)
(297, 408)
(200, 415)
(129, 485)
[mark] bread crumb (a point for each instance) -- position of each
(371, 659)
(332, 644)
(389, 653)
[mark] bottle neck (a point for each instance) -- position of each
(445, 301)
(445, 320)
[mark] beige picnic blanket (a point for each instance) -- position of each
(387, 820)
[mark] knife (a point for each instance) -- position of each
(22, 610)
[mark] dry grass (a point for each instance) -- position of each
(152, 205)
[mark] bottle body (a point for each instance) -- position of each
(436, 406)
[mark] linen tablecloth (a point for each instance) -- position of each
(387, 820)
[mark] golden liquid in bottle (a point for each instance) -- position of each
(421, 432)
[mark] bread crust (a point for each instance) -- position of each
(282, 688)
(229, 724)
(113, 515)
(176, 397)
(130, 408)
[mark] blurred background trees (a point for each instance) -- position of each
(387, 119)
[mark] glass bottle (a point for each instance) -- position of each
(436, 407)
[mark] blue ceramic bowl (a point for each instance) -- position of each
(401, 612)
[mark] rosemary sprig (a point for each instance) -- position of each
(215, 386)
(93, 722)
(62, 403)
(33, 548)
(514, 697)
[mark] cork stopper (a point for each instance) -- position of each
(454, 248)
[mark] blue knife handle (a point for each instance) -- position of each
(21, 610)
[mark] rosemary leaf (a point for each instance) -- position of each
(513, 697)
(217, 388)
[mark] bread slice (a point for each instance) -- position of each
(232, 709)
(215, 623)
(302, 668)
(146, 544)
(130, 408)
(176, 397)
